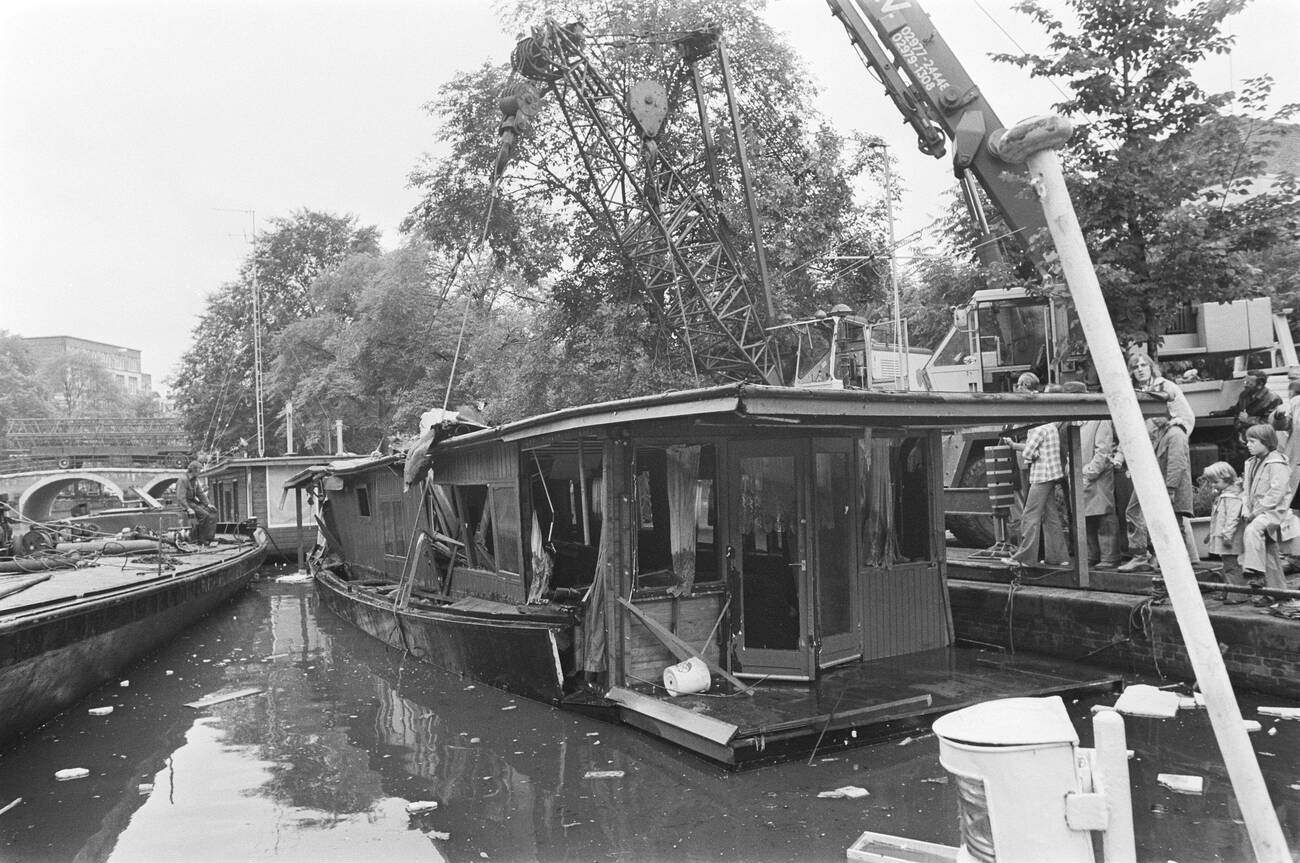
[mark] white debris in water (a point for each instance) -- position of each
(1182, 783)
(475, 740)
(11, 805)
(71, 773)
(1251, 725)
(510, 707)
(438, 834)
(169, 672)
(419, 807)
(295, 578)
(124, 683)
(603, 774)
(220, 697)
(1282, 712)
(100, 711)
(1272, 730)
(145, 788)
(1142, 699)
(845, 792)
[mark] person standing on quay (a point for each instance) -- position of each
(194, 501)
(1042, 514)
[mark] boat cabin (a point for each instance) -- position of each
(253, 488)
(781, 535)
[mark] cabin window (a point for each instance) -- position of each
(363, 501)
(565, 529)
(392, 512)
(476, 521)
(894, 497)
(505, 523)
(677, 513)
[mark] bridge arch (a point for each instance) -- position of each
(38, 498)
(158, 487)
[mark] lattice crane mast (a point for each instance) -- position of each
(667, 212)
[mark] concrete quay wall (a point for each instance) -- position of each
(1128, 633)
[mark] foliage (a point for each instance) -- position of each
(80, 387)
(213, 388)
(21, 391)
(546, 220)
(936, 283)
(1161, 171)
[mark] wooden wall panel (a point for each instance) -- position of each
(644, 655)
(261, 512)
(905, 609)
(492, 462)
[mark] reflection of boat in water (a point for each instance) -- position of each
(68, 630)
(791, 539)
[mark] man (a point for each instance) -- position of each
(1042, 526)
(1255, 403)
(192, 500)
(1097, 449)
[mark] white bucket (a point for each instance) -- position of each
(689, 676)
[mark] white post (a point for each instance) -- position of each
(288, 428)
(1110, 762)
(1033, 142)
(338, 435)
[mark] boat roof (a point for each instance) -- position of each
(778, 406)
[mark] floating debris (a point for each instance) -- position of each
(1182, 783)
(144, 788)
(603, 774)
(1281, 712)
(510, 707)
(419, 807)
(221, 697)
(846, 792)
(937, 780)
(438, 834)
(11, 805)
(1142, 699)
(169, 672)
(124, 683)
(294, 578)
(71, 773)
(100, 711)
(1251, 725)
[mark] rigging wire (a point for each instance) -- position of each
(1051, 80)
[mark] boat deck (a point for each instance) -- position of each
(857, 703)
(26, 593)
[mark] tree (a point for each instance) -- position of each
(213, 388)
(1161, 173)
(81, 387)
(21, 392)
(546, 222)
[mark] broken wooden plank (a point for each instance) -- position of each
(711, 729)
(222, 697)
(679, 648)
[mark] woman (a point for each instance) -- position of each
(1267, 510)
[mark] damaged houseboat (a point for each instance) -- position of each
(790, 541)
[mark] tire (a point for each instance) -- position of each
(977, 531)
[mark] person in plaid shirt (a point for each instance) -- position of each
(1042, 514)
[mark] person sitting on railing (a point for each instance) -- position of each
(194, 502)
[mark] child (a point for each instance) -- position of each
(1227, 526)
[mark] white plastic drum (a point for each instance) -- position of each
(684, 677)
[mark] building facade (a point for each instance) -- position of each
(122, 363)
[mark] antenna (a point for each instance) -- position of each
(257, 336)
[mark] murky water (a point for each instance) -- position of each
(321, 764)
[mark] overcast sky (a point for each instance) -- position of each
(136, 136)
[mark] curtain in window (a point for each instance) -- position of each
(542, 566)
(683, 502)
(879, 535)
(594, 636)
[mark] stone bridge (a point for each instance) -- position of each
(32, 493)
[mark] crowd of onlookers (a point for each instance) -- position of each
(1253, 528)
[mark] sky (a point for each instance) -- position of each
(141, 141)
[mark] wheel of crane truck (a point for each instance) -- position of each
(977, 531)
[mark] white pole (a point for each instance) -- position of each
(257, 347)
(1033, 142)
(338, 435)
(1110, 749)
(893, 273)
(288, 428)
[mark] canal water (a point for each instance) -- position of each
(322, 762)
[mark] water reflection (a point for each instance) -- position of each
(322, 762)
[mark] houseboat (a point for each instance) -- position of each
(253, 488)
(749, 572)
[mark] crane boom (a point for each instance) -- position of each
(896, 38)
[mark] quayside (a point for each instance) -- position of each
(789, 542)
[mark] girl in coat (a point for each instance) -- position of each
(1226, 525)
(1267, 482)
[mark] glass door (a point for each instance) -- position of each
(834, 561)
(770, 567)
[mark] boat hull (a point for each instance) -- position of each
(521, 656)
(49, 660)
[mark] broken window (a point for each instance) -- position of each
(675, 488)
